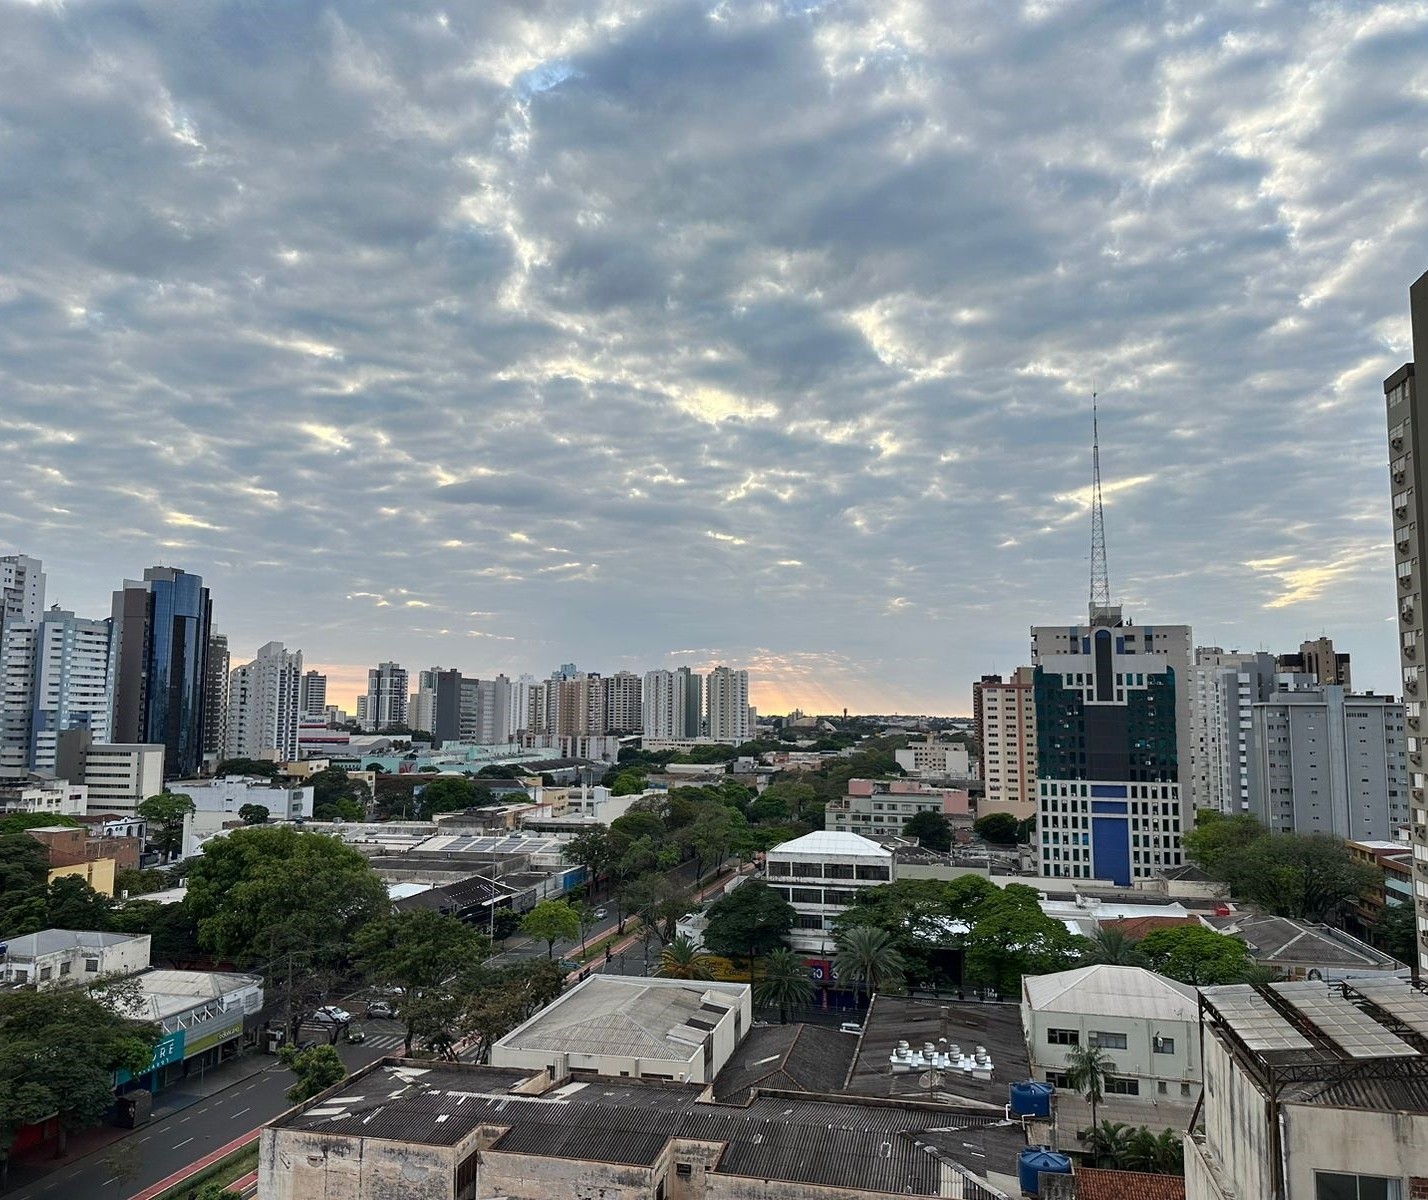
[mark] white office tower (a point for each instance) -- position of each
(624, 702)
(727, 705)
(1227, 684)
(658, 702)
(688, 703)
(263, 705)
(22, 589)
(55, 674)
(421, 708)
(485, 710)
(518, 711)
(387, 698)
(312, 696)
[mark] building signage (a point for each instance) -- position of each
(217, 1037)
(170, 1049)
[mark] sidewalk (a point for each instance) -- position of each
(38, 1161)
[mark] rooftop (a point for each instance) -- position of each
(631, 1017)
(894, 1019)
(899, 1148)
(794, 1058)
(1093, 1183)
(826, 843)
(1281, 941)
(1104, 989)
(55, 941)
(1137, 927)
(168, 993)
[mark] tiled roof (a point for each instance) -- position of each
(1092, 1183)
(1137, 927)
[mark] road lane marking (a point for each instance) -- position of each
(238, 1114)
(182, 1144)
(107, 1182)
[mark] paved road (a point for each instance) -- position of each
(171, 1142)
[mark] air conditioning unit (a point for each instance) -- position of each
(1395, 443)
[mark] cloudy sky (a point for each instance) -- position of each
(507, 333)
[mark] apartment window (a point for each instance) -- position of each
(778, 868)
(1330, 1185)
(91, 965)
(807, 896)
(1122, 1087)
(684, 1170)
(1063, 1037)
(802, 921)
(64, 968)
(1163, 1045)
(46, 972)
(1108, 1041)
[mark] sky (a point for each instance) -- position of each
(511, 333)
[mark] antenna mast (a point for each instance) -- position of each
(1100, 575)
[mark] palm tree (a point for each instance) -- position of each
(1113, 947)
(785, 983)
(1162, 1154)
(1107, 1142)
(682, 959)
(866, 955)
(1086, 1071)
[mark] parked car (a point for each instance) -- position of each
(330, 1014)
(381, 1008)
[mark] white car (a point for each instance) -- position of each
(330, 1014)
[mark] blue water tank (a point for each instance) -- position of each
(1036, 1159)
(1031, 1099)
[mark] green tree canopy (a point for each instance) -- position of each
(451, 793)
(552, 921)
(709, 837)
(1216, 837)
(253, 814)
(785, 983)
(999, 828)
(417, 952)
(24, 868)
(1196, 955)
(659, 902)
(1308, 876)
(629, 782)
(336, 797)
(1011, 937)
(633, 825)
(317, 1069)
(594, 850)
(268, 891)
(259, 767)
(1397, 932)
(751, 920)
(931, 829)
(681, 959)
(20, 821)
(165, 814)
(867, 956)
(59, 1050)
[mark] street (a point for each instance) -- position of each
(195, 1126)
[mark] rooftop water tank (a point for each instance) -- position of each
(1035, 1160)
(1031, 1099)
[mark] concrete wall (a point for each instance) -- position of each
(294, 1164)
(1354, 1141)
(98, 873)
(1237, 1140)
(1138, 1059)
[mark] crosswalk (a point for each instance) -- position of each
(386, 1041)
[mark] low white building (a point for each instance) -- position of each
(820, 874)
(612, 1025)
(51, 797)
(120, 776)
(935, 760)
(1148, 1025)
(54, 957)
(1312, 1091)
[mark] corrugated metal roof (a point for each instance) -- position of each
(1105, 990)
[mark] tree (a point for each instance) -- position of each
(504, 922)
(171, 928)
(59, 1050)
(316, 1068)
(551, 921)
(1196, 955)
(253, 814)
(1216, 837)
(659, 902)
(628, 783)
(751, 920)
(258, 767)
(710, 835)
(1086, 1070)
(417, 952)
(24, 868)
(336, 797)
(999, 828)
(1113, 947)
(450, 793)
(785, 983)
(867, 956)
(72, 904)
(682, 959)
(1159, 1154)
(1106, 1143)
(491, 1001)
(594, 850)
(1397, 933)
(1307, 876)
(165, 814)
(1010, 937)
(932, 831)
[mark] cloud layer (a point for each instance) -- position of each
(504, 334)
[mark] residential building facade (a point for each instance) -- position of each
(387, 698)
(215, 695)
(820, 874)
(688, 703)
(624, 703)
(880, 808)
(1227, 684)
(1317, 658)
(264, 705)
(1008, 741)
(22, 589)
(657, 705)
(312, 695)
(119, 776)
(726, 705)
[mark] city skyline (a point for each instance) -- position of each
(760, 335)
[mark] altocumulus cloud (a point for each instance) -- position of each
(761, 327)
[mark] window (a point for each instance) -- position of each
(46, 972)
(1329, 1185)
(1063, 1037)
(1161, 1087)
(65, 968)
(803, 921)
(1163, 1045)
(91, 965)
(778, 868)
(1058, 1079)
(1122, 1087)
(684, 1170)
(1108, 1041)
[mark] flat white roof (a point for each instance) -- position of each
(826, 842)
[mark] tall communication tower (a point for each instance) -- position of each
(1100, 574)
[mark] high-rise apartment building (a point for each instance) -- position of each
(726, 693)
(264, 705)
(22, 589)
(312, 696)
(1407, 464)
(518, 712)
(1226, 686)
(977, 704)
(657, 700)
(575, 705)
(485, 710)
(1007, 733)
(624, 703)
(387, 698)
(119, 777)
(1327, 761)
(421, 706)
(159, 665)
(215, 695)
(447, 695)
(55, 675)
(688, 703)
(1108, 790)
(1318, 658)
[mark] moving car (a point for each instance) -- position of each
(381, 1008)
(330, 1014)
